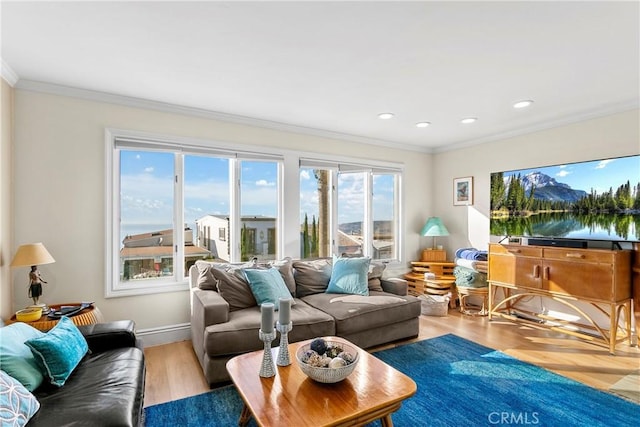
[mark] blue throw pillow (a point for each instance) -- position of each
(268, 286)
(349, 276)
(59, 351)
(16, 358)
(17, 404)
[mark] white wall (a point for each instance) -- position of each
(59, 165)
(6, 134)
(611, 136)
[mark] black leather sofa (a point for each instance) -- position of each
(105, 389)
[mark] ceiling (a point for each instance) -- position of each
(330, 68)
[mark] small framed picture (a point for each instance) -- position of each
(463, 191)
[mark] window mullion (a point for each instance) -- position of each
(178, 209)
(367, 222)
(334, 213)
(234, 210)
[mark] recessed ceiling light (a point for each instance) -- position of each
(523, 104)
(468, 120)
(385, 116)
(422, 124)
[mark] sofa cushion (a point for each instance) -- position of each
(285, 267)
(349, 276)
(16, 358)
(205, 279)
(17, 404)
(233, 286)
(312, 276)
(105, 389)
(59, 351)
(240, 333)
(267, 286)
(356, 313)
(376, 268)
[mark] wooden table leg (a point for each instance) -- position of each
(386, 421)
(245, 416)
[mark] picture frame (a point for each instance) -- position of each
(463, 191)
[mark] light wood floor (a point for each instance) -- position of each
(173, 371)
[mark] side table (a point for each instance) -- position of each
(89, 316)
(466, 308)
(443, 283)
(442, 286)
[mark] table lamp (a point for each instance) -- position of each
(33, 254)
(434, 228)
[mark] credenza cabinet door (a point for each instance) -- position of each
(516, 265)
(582, 280)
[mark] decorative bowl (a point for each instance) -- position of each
(328, 375)
(29, 314)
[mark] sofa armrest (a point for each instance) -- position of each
(395, 286)
(109, 335)
(208, 308)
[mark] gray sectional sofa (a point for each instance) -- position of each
(225, 317)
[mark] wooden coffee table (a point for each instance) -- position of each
(373, 391)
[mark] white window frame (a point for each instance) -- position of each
(335, 166)
(115, 140)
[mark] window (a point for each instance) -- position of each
(352, 225)
(315, 212)
(384, 208)
(349, 209)
(146, 215)
(167, 197)
(259, 208)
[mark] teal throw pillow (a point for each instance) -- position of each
(59, 351)
(349, 276)
(17, 404)
(16, 358)
(268, 286)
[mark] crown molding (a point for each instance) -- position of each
(128, 101)
(7, 73)
(604, 111)
(30, 85)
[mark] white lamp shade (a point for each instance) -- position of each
(434, 227)
(32, 254)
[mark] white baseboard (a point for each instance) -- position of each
(164, 334)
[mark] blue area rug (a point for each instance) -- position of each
(460, 383)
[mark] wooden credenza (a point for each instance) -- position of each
(597, 276)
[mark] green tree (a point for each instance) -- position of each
(244, 244)
(305, 237)
(498, 191)
(314, 237)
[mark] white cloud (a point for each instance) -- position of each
(603, 163)
(304, 174)
(264, 183)
(149, 169)
(562, 174)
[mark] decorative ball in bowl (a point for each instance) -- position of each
(327, 361)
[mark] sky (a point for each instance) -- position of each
(598, 174)
(350, 196)
(147, 190)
